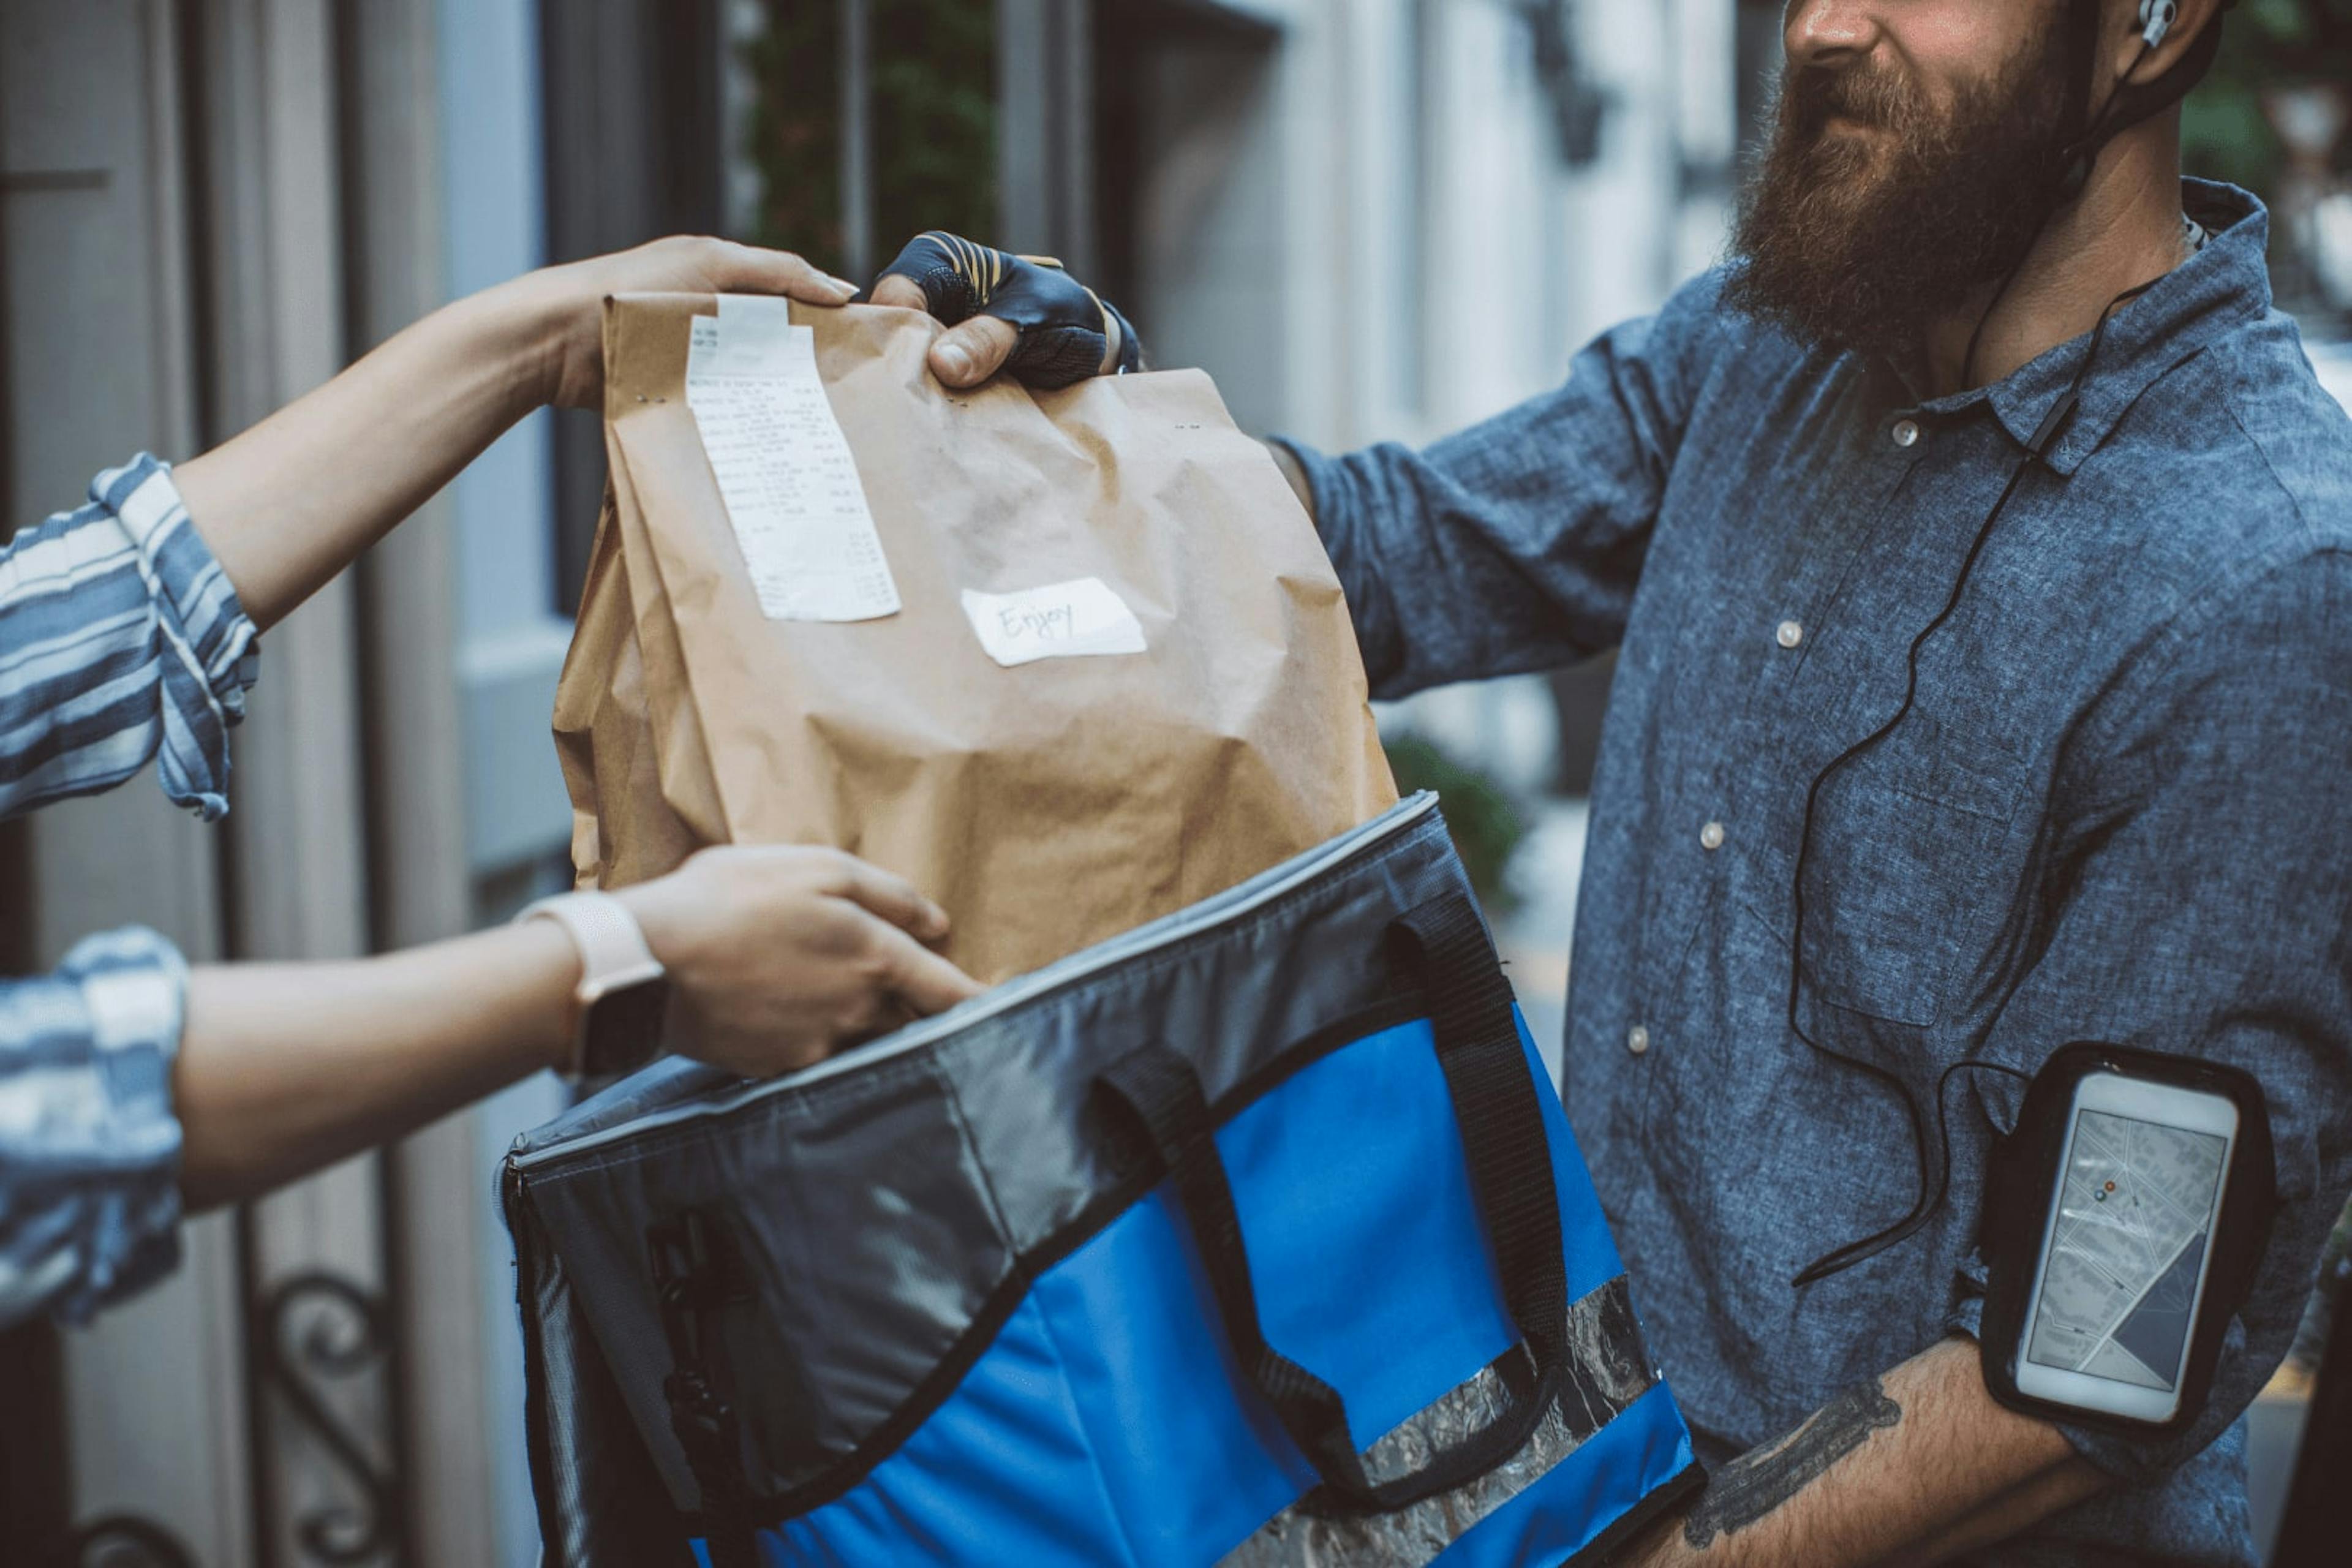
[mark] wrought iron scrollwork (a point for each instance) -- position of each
(122, 1540)
(311, 1330)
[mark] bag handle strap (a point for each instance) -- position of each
(1162, 1092)
(697, 1275)
(1500, 1118)
(1444, 945)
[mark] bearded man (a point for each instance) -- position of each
(1924, 449)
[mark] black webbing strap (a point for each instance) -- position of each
(1163, 1092)
(1494, 1106)
(1444, 945)
(696, 1274)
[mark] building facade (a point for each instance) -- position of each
(1369, 218)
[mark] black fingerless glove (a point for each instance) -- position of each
(1065, 326)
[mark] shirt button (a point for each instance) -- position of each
(1638, 1040)
(1789, 635)
(1711, 836)
(1906, 433)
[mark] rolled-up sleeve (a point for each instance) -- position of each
(89, 1148)
(122, 640)
(1515, 545)
(2203, 883)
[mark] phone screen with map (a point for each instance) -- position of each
(2125, 1249)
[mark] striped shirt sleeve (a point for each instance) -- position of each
(89, 1149)
(120, 640)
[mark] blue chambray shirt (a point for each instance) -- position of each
(2120, 808)
(121, 642)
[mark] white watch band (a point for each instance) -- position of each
(612, 951)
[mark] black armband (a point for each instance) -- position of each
(2124, 1220)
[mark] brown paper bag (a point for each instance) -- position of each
(604, 736)
(1047, 805)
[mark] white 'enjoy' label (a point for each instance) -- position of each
(1062, 620)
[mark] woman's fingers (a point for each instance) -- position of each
(751, 270)
(893, 898)
(920, 978)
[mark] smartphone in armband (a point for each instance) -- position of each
(2124, 1220)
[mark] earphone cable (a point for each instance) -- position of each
(1924, 1210)
(1925, 1206)
(2087, 145)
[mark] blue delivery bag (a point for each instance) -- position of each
(1254, 1236)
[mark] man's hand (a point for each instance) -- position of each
(1913, 1466)
(1019, 313)
(779, 955)
(569, 301)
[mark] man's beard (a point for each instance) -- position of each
(1858, 239)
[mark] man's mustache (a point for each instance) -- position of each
(1868, 95)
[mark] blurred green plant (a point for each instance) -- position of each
(795, 128)
(931, 83)
(2265, 44)
(1485, 821)
(934, 120)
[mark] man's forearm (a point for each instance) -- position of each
(1911, 1467)
(1998, 1519)
(1295, 475)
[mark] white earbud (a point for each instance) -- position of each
(2156, 19)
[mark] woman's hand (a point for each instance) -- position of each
(569, 301)
(291, 501)
(779, 955)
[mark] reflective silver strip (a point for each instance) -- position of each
(1609, 1369)
(1204, 916)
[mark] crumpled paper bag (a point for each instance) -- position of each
(1048, 804)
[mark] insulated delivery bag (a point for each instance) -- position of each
(1239, 1222)
(1253, 1236)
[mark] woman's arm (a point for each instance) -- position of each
(293, 501)
(129, 1085)
(776, 956)
(127, 626)
(287, 1068)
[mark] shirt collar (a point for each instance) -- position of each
(2218, 287)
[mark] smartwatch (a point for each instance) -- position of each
(622, 992)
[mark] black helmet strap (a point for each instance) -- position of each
(2133, 103)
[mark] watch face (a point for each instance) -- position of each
(622, 1030)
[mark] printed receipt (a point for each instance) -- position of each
(784, 465)
(1063, 620)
